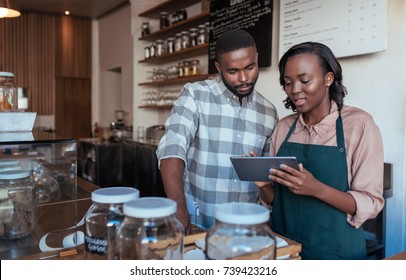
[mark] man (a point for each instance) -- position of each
(211, 121)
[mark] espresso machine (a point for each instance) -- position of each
(118, 124)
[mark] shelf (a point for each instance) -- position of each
(167, 6)
(155, 107)
(200, 49)
(177, 27)
(176, 81)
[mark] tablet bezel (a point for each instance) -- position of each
(257, 168)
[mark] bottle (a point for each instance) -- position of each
(8, 92)
(193, 33)
(164, 20)
(195, 67)
(240, 232)
(17, 204)
(145, 29)
(103, 218)
(150, 231)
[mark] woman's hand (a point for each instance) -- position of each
(300, 182)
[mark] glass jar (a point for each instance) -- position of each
(8, 92)
(145, 30)
(180, 70)
(103, 218)
(146, 52)
(159, 48)
(240, 232)
(152, 50)
(164, 20)
(17, 204)
(195, 69)
(150, 231)
(193, 32)
(170, 45)
(201, 37)
(186, 68)
(46, 187)
(178, 42)
(185, 39)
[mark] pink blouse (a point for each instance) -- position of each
(364, 149)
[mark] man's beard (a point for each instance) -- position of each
(234, 90)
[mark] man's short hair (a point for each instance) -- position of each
(233, 40)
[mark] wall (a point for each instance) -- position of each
(375, 82)
(112, 84)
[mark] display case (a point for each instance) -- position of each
(37, 185)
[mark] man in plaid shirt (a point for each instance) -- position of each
(211, 121)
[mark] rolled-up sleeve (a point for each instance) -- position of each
(366, 170)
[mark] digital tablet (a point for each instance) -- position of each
(257, 168)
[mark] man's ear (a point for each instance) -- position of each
(217, 66)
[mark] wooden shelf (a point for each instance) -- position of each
(200, 49)
(167, 6)
(176, 81)
(155, 107)
(177, 27)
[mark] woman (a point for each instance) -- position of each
(340, 182)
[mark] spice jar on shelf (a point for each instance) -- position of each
(186, 68)
(193, 33)
(178, 42)
(145, 30)
(185, 39)
(164, 20)
(201, 37)
(159, 48)
(195, 69)
(170, 45)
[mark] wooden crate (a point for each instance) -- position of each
(289, 252)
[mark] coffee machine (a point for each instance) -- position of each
(118, 124)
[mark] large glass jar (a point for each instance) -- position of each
(164, 20)
(178, 42)
(17, 204)
(8, 93)
(103, 218)
(201, 37)
(185, 39)
(159, 47)
(150, 231)
(240, 232)
(193, 32)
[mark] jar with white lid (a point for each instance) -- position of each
(17, 204)
(150, 231)
(8, 92)
(240, 232)
(103, 218)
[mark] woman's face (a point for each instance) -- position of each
(307, 86)
(239, 70)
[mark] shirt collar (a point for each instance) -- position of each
(326, 124)
(231, 96)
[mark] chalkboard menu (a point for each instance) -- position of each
(253, 16)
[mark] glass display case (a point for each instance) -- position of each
(38, 193)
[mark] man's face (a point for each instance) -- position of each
(239, 70)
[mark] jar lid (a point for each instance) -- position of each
(7, 74)
(14, 174)
(115, 195)
(150, 207)
(242, 213)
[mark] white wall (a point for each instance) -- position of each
(112, 73)
(375, 82)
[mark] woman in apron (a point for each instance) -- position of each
(340, 150)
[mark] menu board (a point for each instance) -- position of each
(253, 16)
(348, 27)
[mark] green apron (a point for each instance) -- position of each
(322, 229)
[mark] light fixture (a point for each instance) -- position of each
(8, 9)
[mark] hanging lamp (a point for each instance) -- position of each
(8, 9)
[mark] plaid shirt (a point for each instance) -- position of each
(208, 125)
